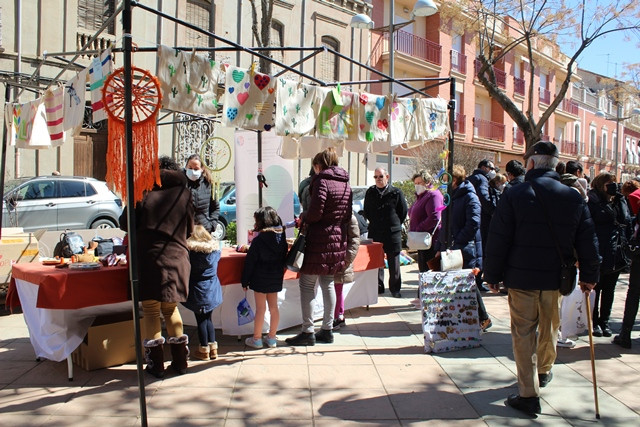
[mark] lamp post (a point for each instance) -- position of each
(617, 119)
(420, 8)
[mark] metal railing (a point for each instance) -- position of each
(412, 45)
(570, 106)
(518, 138)
(458, 62)
(459, 123)
(488, 129)
(544, 95)
(518, 86)
(501, 76)
(568, 147)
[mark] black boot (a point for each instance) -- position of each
(303, 338)
(624, 339)
(179, 353)
(606, 330)
(324, 336)
(528, 405)
(154, 357)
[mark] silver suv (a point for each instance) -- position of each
(61, 202)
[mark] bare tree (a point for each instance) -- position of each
(262, 29)
(501, 26)
(429, 157)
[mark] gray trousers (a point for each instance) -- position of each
(307, 295)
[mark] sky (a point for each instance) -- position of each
(609, 54)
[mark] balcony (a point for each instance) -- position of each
(608, 154)
(518, 86)
(459, 123)
(411, 45)
(544, 95)
(501, 76)
(570, 148)
(488, 129)
(569, 106)
(518, 138)
(458, 62)
(100, 43)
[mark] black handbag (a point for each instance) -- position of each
(295, 257)
(568, 271)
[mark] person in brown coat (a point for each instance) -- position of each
(164, 221)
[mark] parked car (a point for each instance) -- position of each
(61, 202)
(228, 206)
(358, 197)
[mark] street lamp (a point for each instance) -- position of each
(420, 8)
(617, 119)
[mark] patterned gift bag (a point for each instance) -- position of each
(189, 81)
(53, 103)
(99, 70)
(296, 108)
(373, 118)
(449, 310)
(73, 102)
(248, 99)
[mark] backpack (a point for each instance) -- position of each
(105, 246)
(70, 243)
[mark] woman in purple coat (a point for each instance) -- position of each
(424, 214)
(325, 227)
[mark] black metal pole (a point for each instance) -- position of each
(7, 96)
(260, 175)
(452, 122)
(131, 217)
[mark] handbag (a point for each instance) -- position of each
(245, 313)
(295, 257)
(420, 240)
(568, 271)
(451, 259)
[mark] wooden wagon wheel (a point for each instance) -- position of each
(145, 95)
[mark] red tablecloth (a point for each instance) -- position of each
(70, 289)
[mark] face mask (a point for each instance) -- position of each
(420, 189)
(612, 188)
(491, 174)
(194, 175)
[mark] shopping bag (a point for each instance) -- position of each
(573, 313)
(449, 310)
(245, 313)
(295, 257)
(451, 259)
(419, 240)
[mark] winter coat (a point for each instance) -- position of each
(634, 201)
(304, 193)
(207, 208)
(353, 243)
(386, 211)
(164, 220)
(265, 262)
(480, 182)
(465, 226)
(425, 213)
(571, 180)
(521, 251)
(326, 221)
(515, 181)
(205, 291)
(612, 220)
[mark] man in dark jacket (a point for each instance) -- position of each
(515, 173)
(480, 178)
(386, 209)
(535, 222)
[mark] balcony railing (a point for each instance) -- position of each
(545, 95)
(518, 138)
(608, 154)
(488, 129)
(569, 148)
(570, 106)
(458, 62)
(459, 123)
(415, 46)
(518, 86)
(501, 76)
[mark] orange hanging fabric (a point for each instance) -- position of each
(145, 100)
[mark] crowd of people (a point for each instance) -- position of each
(518, 230)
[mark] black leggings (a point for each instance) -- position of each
(206, 332)
(605, 290)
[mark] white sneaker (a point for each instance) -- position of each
(566, 342)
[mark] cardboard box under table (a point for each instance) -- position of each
(109, 342)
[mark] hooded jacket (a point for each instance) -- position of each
(265, 262)
(205, 291)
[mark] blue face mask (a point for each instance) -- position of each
(194, 175)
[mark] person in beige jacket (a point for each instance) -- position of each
(347, 275)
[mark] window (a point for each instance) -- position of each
(592, 140)
(197, 13)
(72, 189)
(37, 190)
(604, 147)
(328, 63)
(276, 40)
(93, 13)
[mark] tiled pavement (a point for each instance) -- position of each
(375, 373)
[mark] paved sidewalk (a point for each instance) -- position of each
(375, 373)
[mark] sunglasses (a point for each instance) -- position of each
(378, 176)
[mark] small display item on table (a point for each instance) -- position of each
(449, 310)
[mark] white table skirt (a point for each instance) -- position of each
(362, 292)
(55, 334)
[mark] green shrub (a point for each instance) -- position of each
(232, 233)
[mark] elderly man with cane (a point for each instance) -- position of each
(536, 228)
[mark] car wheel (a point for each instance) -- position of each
(103, 223)
(220, 231)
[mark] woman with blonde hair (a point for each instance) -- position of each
(424, 213)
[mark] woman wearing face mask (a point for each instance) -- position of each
(424, 214)
(611, 217)
(199, 182)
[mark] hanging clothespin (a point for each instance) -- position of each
(252, 69)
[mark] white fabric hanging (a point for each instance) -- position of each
(373, 118)
(74, 102)
(434, 120)
(296, 108)
(341, 124)
(53, 102)
(248, 99)
(403, 121)
(99, 71)
(27, 125)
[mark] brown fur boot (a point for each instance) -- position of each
(179, 353)
(201, 353)
(154, 357)
(213, 350)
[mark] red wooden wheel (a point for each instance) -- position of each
(145, 95)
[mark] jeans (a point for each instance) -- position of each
(605, 290)
(307, 295)
(395, 279)
(206, 332)
(151, 320)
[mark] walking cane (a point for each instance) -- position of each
(593, 356)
